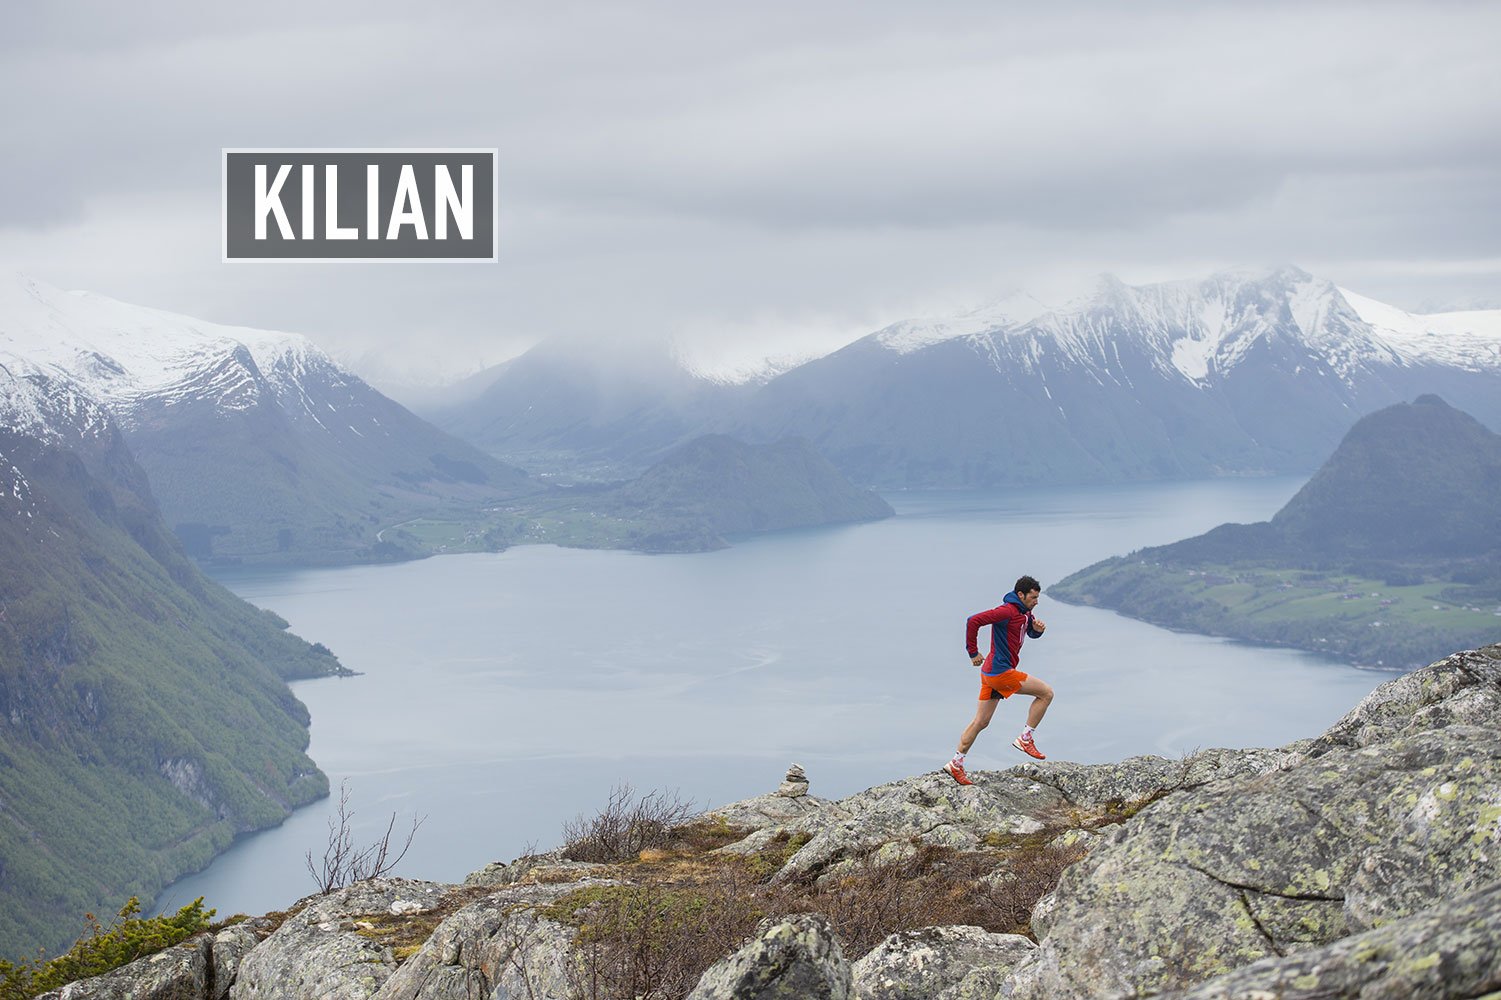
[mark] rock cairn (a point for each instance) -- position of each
(795, 785)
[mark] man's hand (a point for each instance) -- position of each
(977, 660)
(1038, 625)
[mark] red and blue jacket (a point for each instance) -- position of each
(1011, 625)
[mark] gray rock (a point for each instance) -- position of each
(1463, 688)
(1379, 820)
(495, 873)
(1042, 914)
(919, 964)
(498, 947)
(790, 958)
(230, 946)
(983, 983)
(768, 811)
(177, 973)
(1139, 778)
(548, 867)
(930, 808)
(1449, 952)
(319, 954)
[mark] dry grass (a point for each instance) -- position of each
(405, 934)
(870, 899)
(680, 910)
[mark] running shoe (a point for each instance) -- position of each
(1026, 746)
(956, 771)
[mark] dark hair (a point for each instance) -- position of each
(1026, 585)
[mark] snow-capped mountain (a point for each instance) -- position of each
(1009, 311)
(1241, 372)
(1468, 340)
(257, 444)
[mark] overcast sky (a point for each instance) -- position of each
(768, 178)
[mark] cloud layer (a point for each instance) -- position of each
(766, 178)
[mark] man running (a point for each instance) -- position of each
(1000, 677)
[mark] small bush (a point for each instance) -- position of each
(626, 826)
(127, 938)
(703, 835)
(870, 898)
(652, 940)
(344, 864)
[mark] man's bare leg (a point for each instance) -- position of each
(955, 767)
(1042, 697)
(979, 722)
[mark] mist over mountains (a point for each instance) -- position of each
(1238, 373)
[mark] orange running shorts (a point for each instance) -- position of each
(1001, 685)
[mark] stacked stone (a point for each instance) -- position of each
(795, 785)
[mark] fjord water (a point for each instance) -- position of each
(502, 695)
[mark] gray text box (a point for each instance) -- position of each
(349, 204)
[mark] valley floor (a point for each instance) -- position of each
(1362, 620)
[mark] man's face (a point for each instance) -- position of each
(1029, 599)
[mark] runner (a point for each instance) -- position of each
(1000, 677)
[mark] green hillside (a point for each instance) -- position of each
(1390, 555)
(144, 715)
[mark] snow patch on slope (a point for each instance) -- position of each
(1005, 313)
(51, 410)
(1192, 357)
(740, 371)
(15, 491)
(48, 407)
(1470, 340)
(123, 354)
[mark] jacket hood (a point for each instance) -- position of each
(1012, 598)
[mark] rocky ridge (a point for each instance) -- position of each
(1363, 863)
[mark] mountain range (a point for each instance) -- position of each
(257, 444)
(261, 448)
(144, 716)
(1238, 373)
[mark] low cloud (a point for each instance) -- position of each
(672, 170)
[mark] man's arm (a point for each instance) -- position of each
(1035, 628)
(972, 627)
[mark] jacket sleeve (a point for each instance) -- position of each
(972, 627)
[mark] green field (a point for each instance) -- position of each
(1340, 614)
(552, 521)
